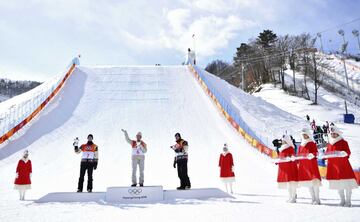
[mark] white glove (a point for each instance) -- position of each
(292, 158)
(232, 169)
(310, 156)
(343, 154)
(17, 175)
(30, 175)
(76, 142)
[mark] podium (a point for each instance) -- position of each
(134, 195)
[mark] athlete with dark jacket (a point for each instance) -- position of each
(89, 161)
(181, 159)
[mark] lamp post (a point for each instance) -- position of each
(343, 51)
(242, 77)
(342, 33)
(194, 50)
(356, 34)
(321, 44)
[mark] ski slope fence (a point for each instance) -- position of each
(231, 116)
(16, 117)
(238, 124)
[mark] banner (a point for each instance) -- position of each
(248, 136)
(37, 110)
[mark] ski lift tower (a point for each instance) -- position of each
(348, 117)
(356, 34)
(321, 43)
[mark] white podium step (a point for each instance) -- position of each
(72, 197)
(201, 194)
(134, 195)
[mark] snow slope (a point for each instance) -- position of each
(159, 101)
(259, 117)
(335, 71)
(3, 98)
(331, 108)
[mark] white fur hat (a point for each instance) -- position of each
(288, 140)
(334, 129)
(306, 131)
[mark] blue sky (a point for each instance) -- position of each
(40, 37)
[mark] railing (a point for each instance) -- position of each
(17, 112)
(258, 142)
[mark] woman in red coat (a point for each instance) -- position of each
(340, 174)
(308, 169)
(226, 165)
(287, 173)
(23, 174)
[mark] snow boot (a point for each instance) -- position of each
(342, 198)
(312, 194)
(133, 185)
(348, 198)
(292, 194)
(317, 196)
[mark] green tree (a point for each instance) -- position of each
(266, 39)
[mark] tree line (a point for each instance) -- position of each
(266, 58)
(9, 88)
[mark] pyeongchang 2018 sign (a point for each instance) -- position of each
(134, 194)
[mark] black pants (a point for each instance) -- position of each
(183, 173)
(89, 167)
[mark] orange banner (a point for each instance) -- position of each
(253, 142)
(18, 127)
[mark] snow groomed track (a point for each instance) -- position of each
(158, 101)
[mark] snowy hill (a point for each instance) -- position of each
(335, 73)
(3, 98)
(330, 108)
(159, 101)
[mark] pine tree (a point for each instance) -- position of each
(266, 39)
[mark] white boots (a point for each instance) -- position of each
(292, 193)
(22, 194)
(314, 192)
(345, 197)
(342, 198)
(348, 193)
(230, 185)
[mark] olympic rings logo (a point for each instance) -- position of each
(134, 191)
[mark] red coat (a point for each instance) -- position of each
(339, 168)
(308, 169)
(23, 170)
(226, 163)
(287, 171)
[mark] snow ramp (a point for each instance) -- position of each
(158, 101)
